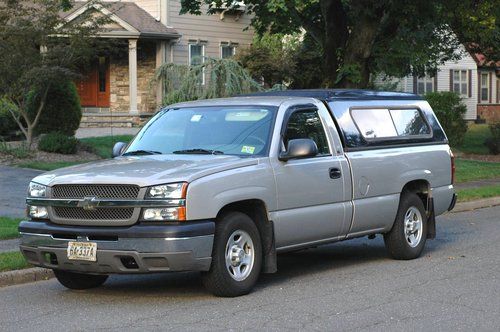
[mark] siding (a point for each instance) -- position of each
(209, 28)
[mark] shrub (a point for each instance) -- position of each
(493, 142)
(62, 111)
(58, 143)
(450, 112)
(7, 122)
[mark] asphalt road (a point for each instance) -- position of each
(13, 188)
(352, 285)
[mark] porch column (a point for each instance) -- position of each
(161, 58)
(132, 75)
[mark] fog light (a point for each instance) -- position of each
(160, 214)
(38, 212)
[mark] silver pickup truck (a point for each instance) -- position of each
(221, 186)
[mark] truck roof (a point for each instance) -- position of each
(341, 94)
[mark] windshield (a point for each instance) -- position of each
(235, 130)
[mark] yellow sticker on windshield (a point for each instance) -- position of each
(248, 149)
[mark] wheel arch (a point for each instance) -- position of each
(422, 189)
(256, 209)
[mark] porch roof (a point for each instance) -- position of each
(134, 22)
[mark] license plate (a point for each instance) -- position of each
(82, 251)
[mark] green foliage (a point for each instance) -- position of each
(12, 261)
(450, 112)
(7, 122)
(62, 111)
(493, 142)
(226, 78)
(19, 152)
(472, 170)
(475, 138)
(58, 143)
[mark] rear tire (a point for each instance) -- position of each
(236, 256)
(406, 240)
(73, 280)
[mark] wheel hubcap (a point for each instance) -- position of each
(240, 255)
(413, 226)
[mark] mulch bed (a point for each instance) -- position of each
(479, 157)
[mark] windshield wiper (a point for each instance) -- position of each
(140, 152)
(198, 151)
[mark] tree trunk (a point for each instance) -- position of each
(335, 37)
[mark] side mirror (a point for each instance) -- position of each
(118, 149)
(299, 148)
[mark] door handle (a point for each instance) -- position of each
(335, 173)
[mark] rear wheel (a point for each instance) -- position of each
(406, 240)
(236, 256)
(73, 280)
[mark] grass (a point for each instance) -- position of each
(103, 146)
(470, 170)
(12, 261)
(474, 139)
(8, 228)
(471, 194)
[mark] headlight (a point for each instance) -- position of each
(171, 190)
(37, 190)
(165, 214)
(38, 212)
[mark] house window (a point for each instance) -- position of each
(460, 82)
(485, 87)
(227, 51)
(197, 57)
(425, 84)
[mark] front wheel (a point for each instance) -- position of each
(406, 240)
(236, 256)
(73, 280)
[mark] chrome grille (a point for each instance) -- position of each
(77, 213)
(99, 191)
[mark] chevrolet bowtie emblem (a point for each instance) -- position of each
(89, 203)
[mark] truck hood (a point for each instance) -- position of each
(145, 170)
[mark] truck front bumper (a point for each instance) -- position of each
(183, 246)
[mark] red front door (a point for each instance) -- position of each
(93, 87)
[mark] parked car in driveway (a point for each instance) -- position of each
(221, 186)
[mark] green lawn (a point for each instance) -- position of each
(8, 228)
(12, 261)
(103, 146)
(474, 139)
(470, 170)
(471, 194)
(48, 166)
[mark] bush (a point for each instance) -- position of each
(62, 111)
(58, 143)
(7, 123)
(493, 142)
(450, 112)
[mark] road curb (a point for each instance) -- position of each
(18, 277)
(478, 204)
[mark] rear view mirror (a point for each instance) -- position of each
(299, 148)
(118, 149)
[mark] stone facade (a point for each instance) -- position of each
(490, 113)
(119, 80)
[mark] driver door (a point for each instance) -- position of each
(310, 191)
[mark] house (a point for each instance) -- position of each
(118, 88)
(476, 79)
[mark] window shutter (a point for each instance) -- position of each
(451, 79)
(415, 84)
(491, 88)
(436, 82)
(470, 83)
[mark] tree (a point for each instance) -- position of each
(38, 47)
(360, 37)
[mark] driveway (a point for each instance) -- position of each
(13, 188)
(352, 285)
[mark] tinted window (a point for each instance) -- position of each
(374, 123)
(307, 124)
(409, 122)
(230, 130)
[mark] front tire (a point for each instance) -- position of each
(236, 256)
(73, 280)
(406, 240)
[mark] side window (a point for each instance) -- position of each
(307, 124)
(409, 122)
